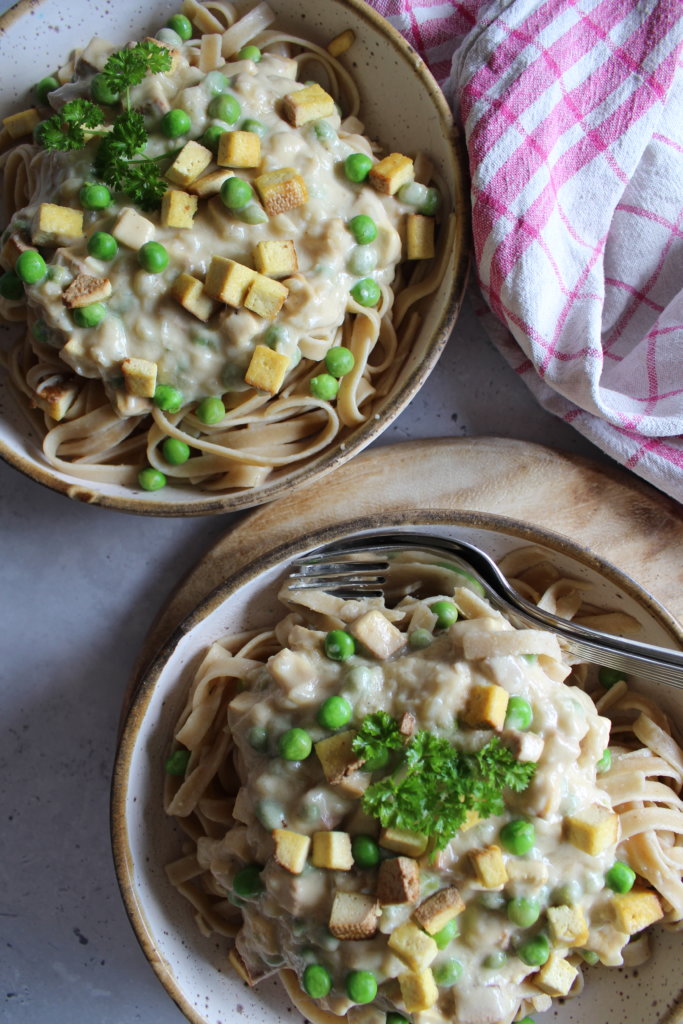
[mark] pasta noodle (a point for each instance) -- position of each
(326, 867)
(257, 350)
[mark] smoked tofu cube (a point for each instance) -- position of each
(419, 237)
(228, 281)
(568, 926)
(489, 867)
(440, 908)
(281, 190)
(556, 976)
(267, 369)
(85, 290)
(401, 840)
(132, 229)
(12, 250)
(239, 149)
(374, 631)
(526, 746)
(341, 43)
(56, 399)
(139, 377)
(291, 850)
(332, 850)
(56, 225)
(635, 910)
(265, 297)
(292, 669)
(390, 173)
(178, 209)
(189, 292)
(191, 161)
(209, 184)
(337, 757)
(418, 990)
(275, 258)
(398, 881)
(592, 830)
(307, 104)
(353, 916)
(486, 707)
(413, 946)
(21, 124)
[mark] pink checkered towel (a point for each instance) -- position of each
(573, 116)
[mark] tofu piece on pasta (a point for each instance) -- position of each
(438, 909)
(412, 946)
(489, 867)
(636, 910)
(307, 104)
(379, 636)
(418, 990)
(354, 915)
(593, 829)
(191, 161)
(56, 225)
(398, 881)
(291, 849)
(556, 976)
(388, 174)
(281, 190)
(486, 707)
(189, 292)
(139, 377)
(267, 369)
(239, 149)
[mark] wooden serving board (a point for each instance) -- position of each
(604, 509)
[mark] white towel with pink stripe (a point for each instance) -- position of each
(573, 116)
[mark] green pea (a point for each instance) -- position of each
(250, 124)
(168, 398)
(492, 900)
(252, 213)
(366, 292)
(44, 86)
(366, 852)
(608, 677)
(494, 961)
(295, 745)
(216, 82)
(210, 410)
(257, 738)
(526, 1020)
(276, 336)
(446, 613)
(357, 167)
(153, 257)
(175, 123)
(102, 92)
(182, 25)
(211, 136)
(530, 658)
(316, 981)
(324, 386)
(339, 645)
(236, 192)
(430, 204)
(589, 957)
(419, 639)
(175, 451)
(334, 713)
(412, 193)
(448, 972)
(605, 762)
(534, 952)
(362, 260)
(518, 836)
(168, 36)
(89, 316)
(250, 52)
(270, 813)
(40, 331)
(176, 763)
(11, 286)
(247, 883)
(445, 935)
(103, 246)
(324, 131)
(151, 479)
(519, 714)
(339, 360)
(523, 912)
(30, 267)
(361, 986)
(620, 877)
(363, 229)
(396, 1018)
(225, 107)
(568, 894)
(358, 678)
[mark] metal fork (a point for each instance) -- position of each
(362, 567)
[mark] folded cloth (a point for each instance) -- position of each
(572, 113)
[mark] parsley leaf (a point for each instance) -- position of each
(127, 68)
(66, 129)
(434, 784)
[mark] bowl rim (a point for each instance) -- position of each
(134, 713)
(326, 461)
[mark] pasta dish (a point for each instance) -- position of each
(413, 811)
(218, 271)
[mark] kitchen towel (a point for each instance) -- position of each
(572, 111)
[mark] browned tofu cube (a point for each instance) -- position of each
(265, 297)
(85, 290)
(635, 910)
(419, 237)
(228, 281)
(390, 173)
(189, 292)
(556, 976)
(307, 104)
(56, 225)
(486, 707)
(139, 377)
(437, 910)
(291, 849)
(354, 915)
(21, 124)
(593, 829)
(178, 209)
(398, 881)
(413, 946)
(267, 369)
(332, 850)
(191, 161)
(401, 840)
(209, 184)
(568, 926)
(239, 149)
(281, 190)
(489, 867)
(276, 258)
(374, 631)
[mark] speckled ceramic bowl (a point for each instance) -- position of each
(402, 107)
(194, 969)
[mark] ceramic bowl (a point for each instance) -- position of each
(194, 969)
(402, 107)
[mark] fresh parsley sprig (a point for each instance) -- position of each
(433, 785)
(116, 160)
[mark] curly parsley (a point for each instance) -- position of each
(433, 785)
(121, 142)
